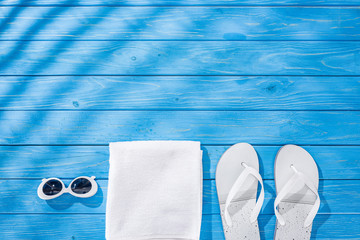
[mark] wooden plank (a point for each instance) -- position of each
(209, 127)
(172, 58)
(333, 193)
(174, 92)
(71, 161)
(344, 160)
(189, 23)
(83, 226)
(69, 3)
(323, 227)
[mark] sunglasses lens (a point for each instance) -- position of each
(81, 186)
(52, 187)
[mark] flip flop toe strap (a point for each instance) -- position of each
(293, 181)
(235, 189)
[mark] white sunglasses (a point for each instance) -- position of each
(82, 187)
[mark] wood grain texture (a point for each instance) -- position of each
(187, 23)
(334, 162)
(179, 3)
(335, 196)
(209, 127)
(174, 92)
(324, 227)
(282, 74)
(172, 58)
(85, 226)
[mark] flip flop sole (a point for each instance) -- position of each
(298, 203)
(228, 170)
(295, 215)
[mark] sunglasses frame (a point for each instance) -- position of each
(64, 189)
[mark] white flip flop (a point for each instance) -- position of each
(297, 201)
(237, 176)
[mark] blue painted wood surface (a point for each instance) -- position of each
(209, 127)
(75, 75)
(179, 93)
(118, 23)
(92, 226)
(334, 192)
(34, 162)
(180, 3)
(175, 58)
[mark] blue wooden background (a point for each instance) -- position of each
(77, 74)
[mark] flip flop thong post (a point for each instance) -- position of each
(237, 177)
(297, 201)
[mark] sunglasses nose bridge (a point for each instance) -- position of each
(67, 190)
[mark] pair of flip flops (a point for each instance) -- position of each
(296, 181)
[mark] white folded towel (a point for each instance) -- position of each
(154, 190)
